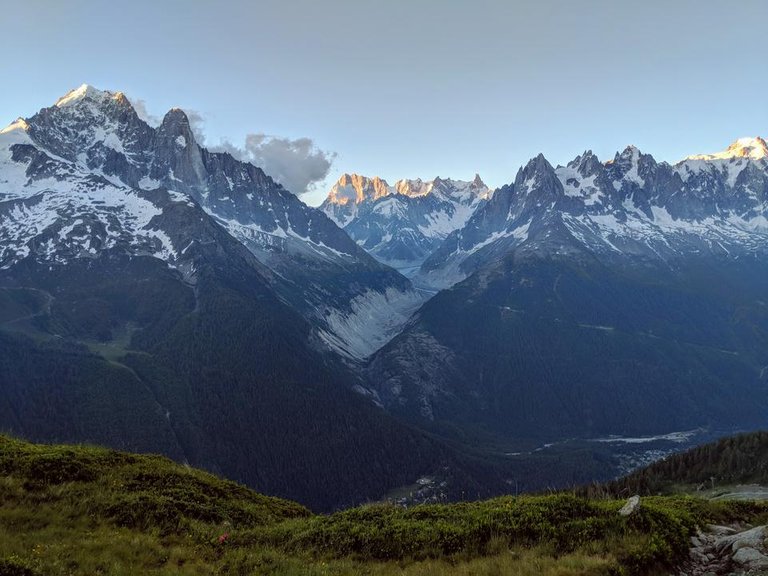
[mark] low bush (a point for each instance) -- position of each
(81, 510)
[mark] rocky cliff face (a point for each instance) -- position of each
(91, 134)
(402, 224)
(629, 207)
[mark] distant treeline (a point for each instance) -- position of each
(741, 459)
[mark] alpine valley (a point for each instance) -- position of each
(599, 298)
(423, 341)
(402, 225)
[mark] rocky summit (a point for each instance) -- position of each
(630, 207)
(402, 225)
(90, 172)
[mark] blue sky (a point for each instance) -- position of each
(414, 88)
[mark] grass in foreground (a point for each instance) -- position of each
(67, 510)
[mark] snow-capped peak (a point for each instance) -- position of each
(536, 166)
(629, 155)
(451, 188)
(86, 92)
(18, 124)
(754, 148)
(413, 188)
(586, 164)
(631, 151)
(356, 189)
(401, 224)
(630, 165)
(15, 133)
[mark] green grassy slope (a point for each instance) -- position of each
(83, 510)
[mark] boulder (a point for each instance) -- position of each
(631, 506)
(751, 558)
(752, 538)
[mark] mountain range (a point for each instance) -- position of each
(619, 297)
(91, 134)
(161, 297)
(402, 225)
(628, 207)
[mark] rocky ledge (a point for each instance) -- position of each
(737, 549)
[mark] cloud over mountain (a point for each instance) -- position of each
(297, 164)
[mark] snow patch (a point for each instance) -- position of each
(81, 93)
(754, 148)
(147, 183)
(372, 320)
(68, 198)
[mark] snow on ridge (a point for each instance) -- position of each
(84, 92)
(662, 229)
(451, 273)
(253, 235)
(731, 166)
(577, 186)
(389, 207)
(401, 222)
(632, 174)
(356, 189)
(414, 188)
(519, 233)
(120, 210)
(719, 208)
(67, 197)
(17, 125)
(754, 148)
(441, 223)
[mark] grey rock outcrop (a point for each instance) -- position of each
(726, 550)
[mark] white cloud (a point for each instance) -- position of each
(141, 110)
(296, 164)
(197, 125)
